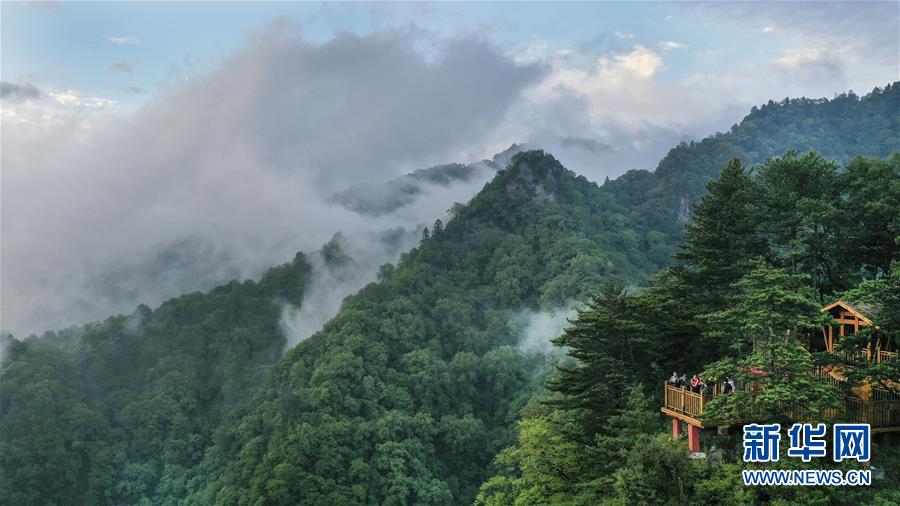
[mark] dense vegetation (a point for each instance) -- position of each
(407, 395)
(120, 410)
(760, 256)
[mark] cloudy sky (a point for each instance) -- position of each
(153, 148)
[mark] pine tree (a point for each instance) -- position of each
(872, 212)
(802, 220)
(609, 342)
(721, 241)
(774, 310)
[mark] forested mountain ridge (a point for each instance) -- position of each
(838, 129)
(121, 409)
(407, 394)
(413, 386)
(767, 248)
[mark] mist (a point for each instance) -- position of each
(231, 172)
(341, 268)
(539, 328)
(233, 166)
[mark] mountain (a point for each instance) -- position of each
(411, 389)
(763, 253)
(119, 410)
(837, 129)
(415, 385)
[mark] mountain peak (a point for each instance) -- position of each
(534, 174)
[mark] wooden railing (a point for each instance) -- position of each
(878, 356)
(883, 410)
(682, 400)
(883, 394)
(878, 413)
(825, 376)
(854, 356)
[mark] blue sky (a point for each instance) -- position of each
(73, 46)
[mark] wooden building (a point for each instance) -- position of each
(877, 406)
(849, 318)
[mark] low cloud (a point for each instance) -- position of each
(342, 268)
(815, 66)
(15, 91)
(592, 145)
(604, 116)
(235, 168)
(539, 328)
(239, 165)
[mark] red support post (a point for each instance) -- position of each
(676, 428)
(693, 438)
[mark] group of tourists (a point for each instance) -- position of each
(698, 385)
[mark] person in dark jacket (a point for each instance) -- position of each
(728, 386)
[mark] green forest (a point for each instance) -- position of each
(419, 391)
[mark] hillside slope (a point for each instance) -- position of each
(408, 393)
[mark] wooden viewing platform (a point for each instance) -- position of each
(868, 403)
(685, 405)
(882, 411)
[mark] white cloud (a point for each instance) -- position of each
(640, 62)
(124, 40)
(624, 35)
(535, 51)
(668, 45)
(793, 58)
(231, 172)
(72, 98)
(867, 29)
(615, 101)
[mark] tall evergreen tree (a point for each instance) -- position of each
(610, 343)
(872, 211)
(773, 311)
(802, 220)
(721, 241)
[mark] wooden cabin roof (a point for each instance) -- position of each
(862, 310)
